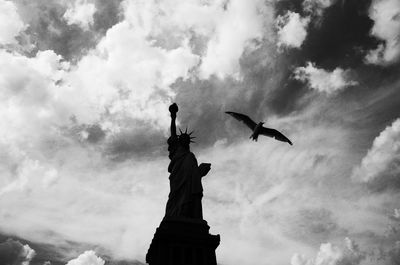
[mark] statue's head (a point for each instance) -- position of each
(185, 139)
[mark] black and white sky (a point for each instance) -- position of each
(85, 87)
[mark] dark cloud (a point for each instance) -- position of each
(313, 226)
(342, 36)
(394, 255)
(138, 143)
(108, 13)
(274, 91)
(95, 133)
(387, 181)
(285, 5)
(13, 252)
(85, 133)
(48, 30)
(12, 248)
(369, 109)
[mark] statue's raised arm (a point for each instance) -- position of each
(173, 139)
(173, 109)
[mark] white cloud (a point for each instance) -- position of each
(292, 29)
(27, 173)
(330, 254)
(223, 30)
(28, 254)
(126, 75)
(322, 80)
(87, 258)
(10, 22)
(81, 13)
(235, 29)
(30, 116)
(382, 157)
(386, 16)
(27, 96)
(396, 214)
(317, 7)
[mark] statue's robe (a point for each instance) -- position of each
(186, 191)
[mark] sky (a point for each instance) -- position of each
(85, 87)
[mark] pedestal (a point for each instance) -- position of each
(183, 242)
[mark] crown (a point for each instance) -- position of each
(185, 137)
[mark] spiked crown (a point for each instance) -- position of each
(185, 138)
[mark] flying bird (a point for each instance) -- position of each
(258, 128)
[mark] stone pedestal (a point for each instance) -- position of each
(183, 242)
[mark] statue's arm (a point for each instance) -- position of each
(173, 126)
(173, 109)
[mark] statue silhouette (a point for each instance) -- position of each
(183, 237)
(186, 191)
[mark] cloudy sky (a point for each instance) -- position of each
(85, 87)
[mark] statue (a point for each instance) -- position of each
(186, 191)
(183, 235)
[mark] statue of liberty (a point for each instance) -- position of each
(186, 191)
(183, 235)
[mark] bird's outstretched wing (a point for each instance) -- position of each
(275, 134)
(243, 118)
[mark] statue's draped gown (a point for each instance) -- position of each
(186, 191)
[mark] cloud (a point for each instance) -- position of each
(381, 161)
(10, 22)
(81, 13)
(292, 29)
(89, 257)
(219, 31)
(386, 17)
(28, 95)
(49, 30)
(317, 7)
(27, 173)
(394, 254)
(323, 80)
(312, 225)
(396, 214)
(14, 252)
(330, 254)
(237, 27)
(30, 116)
(125, 76)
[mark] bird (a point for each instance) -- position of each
(259, 128)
